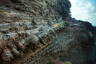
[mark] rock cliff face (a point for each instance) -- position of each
(34, 10)
(33, 31)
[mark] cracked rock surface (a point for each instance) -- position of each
(33, 31)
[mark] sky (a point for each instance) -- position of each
(84, 10)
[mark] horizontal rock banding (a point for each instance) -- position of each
(14, 44)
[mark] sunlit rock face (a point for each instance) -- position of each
(84, 10)
(31, 33)
(44, 10)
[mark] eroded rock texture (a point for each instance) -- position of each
(37, 10)
(33, 31)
